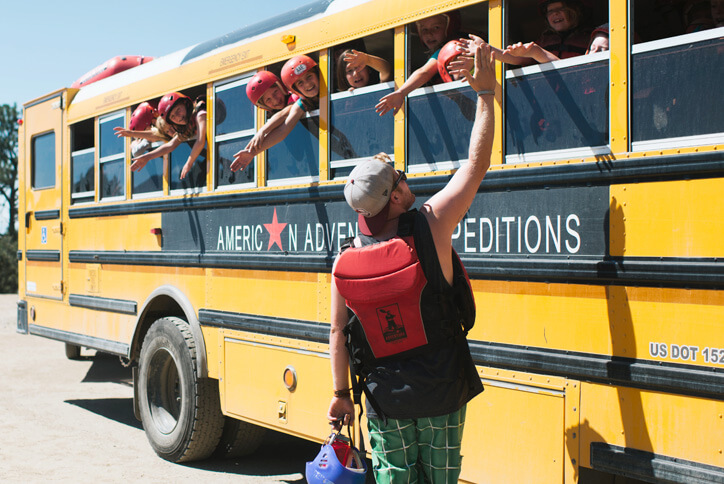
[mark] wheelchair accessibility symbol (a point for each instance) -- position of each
(44, 235)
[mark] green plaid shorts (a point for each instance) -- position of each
(417, 450)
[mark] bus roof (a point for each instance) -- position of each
(265, 28)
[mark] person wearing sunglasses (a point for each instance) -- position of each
(402, 305)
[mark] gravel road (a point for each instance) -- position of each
(72, 421)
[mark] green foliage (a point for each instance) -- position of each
(9, 162)
(8, 264)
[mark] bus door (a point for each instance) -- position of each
(43, 147)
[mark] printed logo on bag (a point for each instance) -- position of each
(393, 328)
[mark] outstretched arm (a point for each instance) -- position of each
(532, 51)
(140, 161)
(198, 145)
(393, 101)
(357, 60)
(244, 157)
(448, 206)
(147, 134)
(500, 55)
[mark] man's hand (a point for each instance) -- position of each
(484, 77)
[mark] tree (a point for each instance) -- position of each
(9, 162)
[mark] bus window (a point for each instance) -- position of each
(196, 179)
(356, 129)
(296, 158)
(234, 127)
(557, 106)
(439, 118)
(112, 157)
(149, 180)
(43, 160)
(82, 162)
(556, 109)
(685, 108)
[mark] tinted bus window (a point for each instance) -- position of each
(298, 155)
(557, 106)
(235, 125)
(356, 129)
(43, 161)
(196, 178)
(82, 172)
(689, 101)
(439, 124)
(150, 178)
(112, 157)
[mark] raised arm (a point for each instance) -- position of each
(140, 161)
(357, 60)
(393, 101)
(532, 51)
(198, 145)
(447, 207)
(244, 157)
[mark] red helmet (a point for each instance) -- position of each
(258, 85)
(293, 70)
(166, 104)
(448, 52)
(142, 117)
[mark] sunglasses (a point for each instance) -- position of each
(401, 177)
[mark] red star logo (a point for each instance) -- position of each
(275, 231)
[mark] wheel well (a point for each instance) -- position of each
(161, 306)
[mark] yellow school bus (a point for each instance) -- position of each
(594, 244)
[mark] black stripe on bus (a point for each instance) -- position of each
(630, 372)
(659, 376)
(43, 255)
(650, 467)
(280, 327)
(669, 272)
(103, 304)
(678, 167)
(47, 214)
(92, 342)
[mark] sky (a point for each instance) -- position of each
(46, 45)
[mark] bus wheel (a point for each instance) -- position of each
(72, 352)
(180, 412)
(239, 439)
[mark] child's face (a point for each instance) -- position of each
(308, 84)
(599, 43)
(432, 31)
(178, 114)
(273, 98)
(357, 78)
(560, 17)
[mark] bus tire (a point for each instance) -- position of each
(180, 412)
(239, 439)
(72, 352)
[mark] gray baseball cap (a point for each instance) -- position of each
(368, 192)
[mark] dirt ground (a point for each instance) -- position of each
(71, 421)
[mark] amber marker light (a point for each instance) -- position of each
(290, 378)
(289, 39)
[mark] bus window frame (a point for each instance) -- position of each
(220, 86)
(682, 141)
(381, 86)
(107, 159)
(568, 153)
(82, 195)
(32, 160)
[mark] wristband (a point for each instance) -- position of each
(342, 393)
(483, 93)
